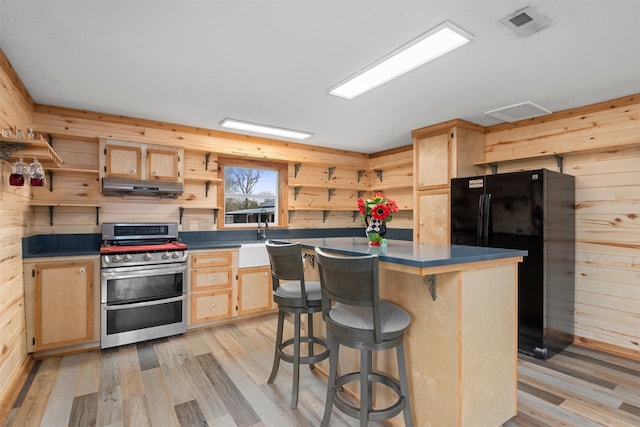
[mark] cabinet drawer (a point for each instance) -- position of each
(210, 306)
(210, 278)
(212, 259)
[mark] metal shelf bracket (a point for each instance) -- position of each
(325, 215)
(361, 174)
(430, 283)
(296, 191)
(559, 162)
(296, 169)
(330, 172)
(330, 193)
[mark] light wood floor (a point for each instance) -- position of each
(217, 377)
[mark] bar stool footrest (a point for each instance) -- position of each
(373, 414)
(307, 360)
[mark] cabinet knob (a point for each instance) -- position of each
(266, 274)
(212, 279)
(82, 270)
(419, 182)
(155, 172)
(213, 260)
(212, 306)
(133, 170)
(421, 222)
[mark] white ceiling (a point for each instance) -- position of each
(271, 62)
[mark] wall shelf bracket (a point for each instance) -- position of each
(356, 214)
(311, 259)
(325, 215)
(207, 184)
(330, 193)
(330, 172)
(215, 215)
(97, 215)
(181, 210)
(207, 157)
(296, 191)
(50, 174)
(494, 168)
(361, 174)
(430, 283)
(559, 162)
(379, 174)
(290, 216)
(51, 216)
(360, 194)
(296, 169)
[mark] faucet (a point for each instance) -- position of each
(262, 233)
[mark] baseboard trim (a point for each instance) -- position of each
(617, 350)
(7, 401)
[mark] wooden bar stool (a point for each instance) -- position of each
(357, 318)
(297, 297)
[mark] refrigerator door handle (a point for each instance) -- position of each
(480, 230)
(487, 219)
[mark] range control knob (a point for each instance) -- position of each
(175, 254)
(147, 256)
(116, 258)
(127, 258)
(166, 255)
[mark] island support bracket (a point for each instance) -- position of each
(311, 259)
(430, 283)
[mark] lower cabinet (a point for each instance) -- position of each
(213, 287)
(61, 303)
(432, 212)
(254, 290)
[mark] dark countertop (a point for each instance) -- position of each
(61, 245)
(421, 255)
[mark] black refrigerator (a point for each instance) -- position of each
(534, 211)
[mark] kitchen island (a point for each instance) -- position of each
(461, 347)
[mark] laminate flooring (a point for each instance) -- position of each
(217, 377)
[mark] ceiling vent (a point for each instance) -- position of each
(525, 22)
(521, 111)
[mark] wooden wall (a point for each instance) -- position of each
(600, 146)
(16, 107)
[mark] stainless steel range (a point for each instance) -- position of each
(143, 292)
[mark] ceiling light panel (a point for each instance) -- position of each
(430, 45)
(263, 129)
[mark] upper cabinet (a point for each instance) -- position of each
(140, 161)
(441, 152)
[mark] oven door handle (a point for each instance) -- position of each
(143, 304)
(121, 273)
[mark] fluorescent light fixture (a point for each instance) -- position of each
(267, 130)
(430, 45)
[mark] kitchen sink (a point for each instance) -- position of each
(253, 255)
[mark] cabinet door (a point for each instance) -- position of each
(207, 306)
(210, 279)
(433, 217)
(63, 304)
(123, 161)
(433, 161)
(254, 289)
(162, 164)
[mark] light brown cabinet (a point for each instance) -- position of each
(60, 303)
(441, 152)
(213, 286)
(140, 161)
(254, 290)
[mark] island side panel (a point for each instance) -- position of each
(489, 345)
(431, 346)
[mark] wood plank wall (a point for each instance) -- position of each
(600, 146)
(16, 108)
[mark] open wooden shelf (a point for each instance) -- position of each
(29, 148)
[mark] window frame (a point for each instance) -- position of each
(281, 199)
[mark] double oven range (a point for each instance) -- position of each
(143, 293)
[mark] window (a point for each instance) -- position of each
(251, 193)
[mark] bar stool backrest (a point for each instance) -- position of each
(350, 280)
(286, 264)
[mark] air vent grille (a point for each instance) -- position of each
(521, 111)
(525, 22)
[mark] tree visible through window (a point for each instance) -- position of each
(251, 195)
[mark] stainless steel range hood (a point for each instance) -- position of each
(139, 187)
